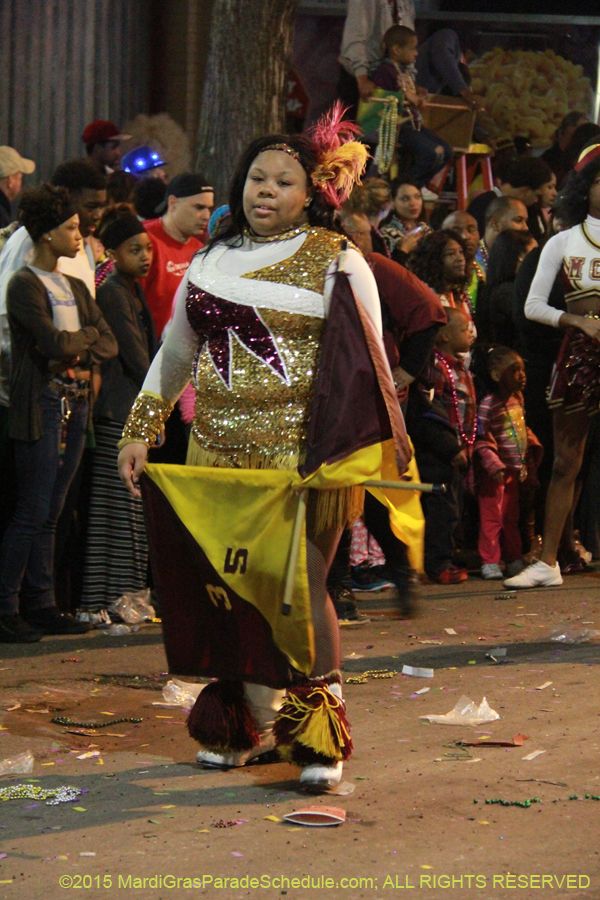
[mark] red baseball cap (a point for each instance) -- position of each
(100, 131)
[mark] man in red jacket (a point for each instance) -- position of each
(175, 240)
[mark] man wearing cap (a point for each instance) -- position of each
(102, 141)
(175, 239)
(12, 168)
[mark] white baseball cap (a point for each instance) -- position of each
(12, 162)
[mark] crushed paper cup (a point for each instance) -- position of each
(317, 815)
(466, 713)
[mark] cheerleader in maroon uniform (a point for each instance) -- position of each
(574, 391)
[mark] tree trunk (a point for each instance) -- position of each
(244, 85)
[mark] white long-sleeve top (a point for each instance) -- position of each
(220, 272)
(577, 252)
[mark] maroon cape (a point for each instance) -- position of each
(412, 305)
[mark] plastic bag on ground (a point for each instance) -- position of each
(134, 607)
(18, 765)
(120, 629)
(181, 693)
(466, 712)
(566, 634)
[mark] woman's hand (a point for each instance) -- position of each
(411, 240)
(589, 326)
(131, 462)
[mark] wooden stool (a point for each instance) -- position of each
(465, 167)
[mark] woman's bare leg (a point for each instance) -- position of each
(570, 433)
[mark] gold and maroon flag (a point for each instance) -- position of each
(221, 538)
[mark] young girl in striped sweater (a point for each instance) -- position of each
(503, 449)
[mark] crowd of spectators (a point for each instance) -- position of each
(88, 272)
(87, 279)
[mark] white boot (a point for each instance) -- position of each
(318, 775)
(264, 703)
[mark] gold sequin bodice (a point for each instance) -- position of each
(255, 370)
(262, 419)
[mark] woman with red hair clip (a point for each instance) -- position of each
(249, 324)
(574, 390)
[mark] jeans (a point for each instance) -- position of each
(427, 160)
(43, 479)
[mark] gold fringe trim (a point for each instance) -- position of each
(320, 728)
(336, 508)
(339, 507)
(199, 456)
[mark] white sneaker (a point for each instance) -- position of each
(264, 703)
(211, 760)
(491, 571)
(538, 574)
(322, 776)
(515, 567)
(429, 196)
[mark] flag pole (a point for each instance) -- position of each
(286, 606)
(408, 486)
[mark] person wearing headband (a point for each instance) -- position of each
(248, 325)
(176, 236)
(574, 390)
(116, 548)
(58, 336)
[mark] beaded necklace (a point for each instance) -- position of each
(523, 467)
(64, 720)
(468, 440)
(479, 270)
(52, 796)
(485, 253)
(466, 300)
(388, 132)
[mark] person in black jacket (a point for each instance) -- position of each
(58, 335)
(117, 551)
(494, 318)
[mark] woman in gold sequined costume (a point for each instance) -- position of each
(248, 323)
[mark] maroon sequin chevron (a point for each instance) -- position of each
(215, 320)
